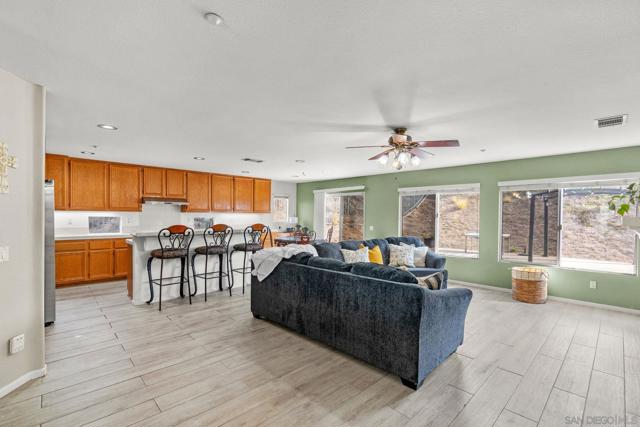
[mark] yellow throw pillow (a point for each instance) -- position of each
(375, 254)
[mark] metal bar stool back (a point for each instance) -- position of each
(216, 242)
(255, 236)
(174, 244)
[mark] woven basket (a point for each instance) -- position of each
(529, 284)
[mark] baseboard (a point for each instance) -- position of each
(32, 375)
(554, 298)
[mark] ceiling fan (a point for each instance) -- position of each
(402, 150)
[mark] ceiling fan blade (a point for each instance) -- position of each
(395, 103)
(377, 156)
(436, 144)
(369, 146)
(421, 153)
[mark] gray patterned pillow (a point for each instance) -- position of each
(432, 282)
(361, 255)
(400, 256)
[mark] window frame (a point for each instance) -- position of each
(562, 184)
(437, 190)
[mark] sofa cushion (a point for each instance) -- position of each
(433, 282)
(329, 250)
(301, 258)
(401, 256)
(359, 255)
(409, 240)
(383, 272)
(329, 264)
(419, 254)
(375, 254)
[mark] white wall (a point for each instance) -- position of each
(22, 230)
(154, 217)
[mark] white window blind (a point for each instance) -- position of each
(613, 180)
(440, 189)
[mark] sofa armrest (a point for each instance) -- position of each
(434, 260)
(441, 326)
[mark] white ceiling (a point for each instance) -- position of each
(517, 78)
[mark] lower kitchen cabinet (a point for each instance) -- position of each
(84, 261)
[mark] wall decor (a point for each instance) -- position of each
(6, 162)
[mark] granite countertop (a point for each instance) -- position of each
(88, 236)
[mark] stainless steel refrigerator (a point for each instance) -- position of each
(49, 255)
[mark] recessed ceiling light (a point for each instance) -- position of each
(88, 153)
(198, 158)
(107, 127)
(213, 18)
(299, 161)
(245, 172)
(295, 176)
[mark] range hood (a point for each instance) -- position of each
(164, 201)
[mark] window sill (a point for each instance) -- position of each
(558, 267)
(460, 255)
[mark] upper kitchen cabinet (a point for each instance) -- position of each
(88, 185)
(56, 169)
(198, 192)
(124, 187)
(176, 186)
(221, 193)
(153, 182)
(242, 194)
(261, 195)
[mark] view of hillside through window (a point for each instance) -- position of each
(344, 217)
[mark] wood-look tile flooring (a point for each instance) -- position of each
(212, 364)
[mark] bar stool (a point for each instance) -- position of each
(216, 242)
(174, 244)
(254, 238)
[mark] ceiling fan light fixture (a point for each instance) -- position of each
(396, 164)
(384, 160)
(404, 158)
(415, 161)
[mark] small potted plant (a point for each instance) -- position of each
(627, 203)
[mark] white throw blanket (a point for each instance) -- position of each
(266, 260)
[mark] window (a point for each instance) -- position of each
(567, 223)
(339, 213)
(280, 209)
(344, 217)
(446, 218)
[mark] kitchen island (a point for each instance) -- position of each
(142, 243)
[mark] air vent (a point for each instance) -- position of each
(606, 122)
(247, 159)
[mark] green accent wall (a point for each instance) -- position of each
(381, 212)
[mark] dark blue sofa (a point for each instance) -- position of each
(401, 328)
(434, 261)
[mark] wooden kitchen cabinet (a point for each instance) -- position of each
(88, 185)
(124, 188)
(121, 261)
(242, 194)
(153, 182)
(221, 193)
(198, 192)
(100, 264)
(83, 261)
(176, 183)
(71, 264)
(261, 195)
(56, 169)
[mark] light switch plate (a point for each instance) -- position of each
(593, 284)
(16, 344)
(4, 253)
(371, 228)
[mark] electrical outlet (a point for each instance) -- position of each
(16, 344)
(593, 284)
(371, 228)
(4, 253)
